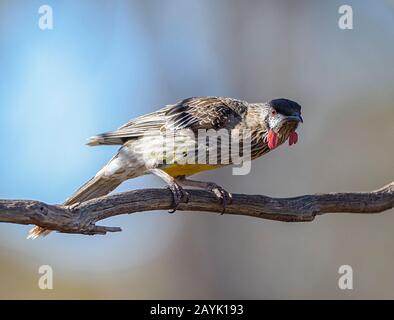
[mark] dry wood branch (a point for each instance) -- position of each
(82, 218)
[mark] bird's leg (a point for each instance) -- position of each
(222, 195)
(178, 192)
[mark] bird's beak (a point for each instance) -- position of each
(297, 118)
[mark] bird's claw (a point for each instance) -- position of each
(222, 195)
(179, 195)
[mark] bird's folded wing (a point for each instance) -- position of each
(193, 113)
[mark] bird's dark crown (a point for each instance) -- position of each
(285, 106)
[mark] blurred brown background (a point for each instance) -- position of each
(106, 62)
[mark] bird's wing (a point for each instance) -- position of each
(205, 113)
(132, 130)
(192, 113)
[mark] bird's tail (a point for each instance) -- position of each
(98, 186)
(37, 232)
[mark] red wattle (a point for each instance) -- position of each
(272, 139)
(293, 138)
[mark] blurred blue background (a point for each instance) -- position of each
(106, 62)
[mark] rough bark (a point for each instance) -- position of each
(82, 218)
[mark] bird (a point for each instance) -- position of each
(141, 140)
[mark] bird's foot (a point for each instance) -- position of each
(222, 195)
(179, 195)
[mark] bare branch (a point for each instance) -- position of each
(82, 218)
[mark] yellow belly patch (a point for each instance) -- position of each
(176, 170)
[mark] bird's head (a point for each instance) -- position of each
(282, 119)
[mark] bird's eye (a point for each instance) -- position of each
(273, 112)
